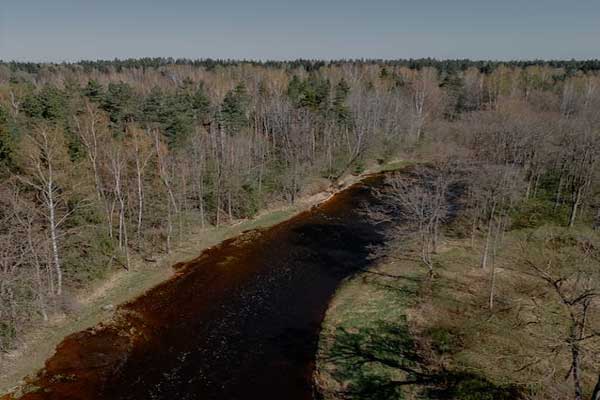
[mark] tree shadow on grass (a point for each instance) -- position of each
(393, 285)
(382, 362)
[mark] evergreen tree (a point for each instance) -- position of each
(93, 91)
(200, 104)
(234, 109)
(6, 142)
(340, 109)
(455, 91)
(177, 117)
(295, 90)
(153, 107)
(121, 104)
(50, 104)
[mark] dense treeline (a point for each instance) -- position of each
(444, 66)
(101, 162)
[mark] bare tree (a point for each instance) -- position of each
(117, 167)
(165, 170)
(422, 201)
(92, 130)
(44, 153)
(574, 282)
(426, 96)
(143, 151)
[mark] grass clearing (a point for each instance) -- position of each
(365, 342)
(394, 334)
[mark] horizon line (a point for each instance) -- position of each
(170, 60)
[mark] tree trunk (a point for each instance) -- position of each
(493, 279)
(486, 248)
(575, 371)
(576, 204)
(38, 273)
(557, 198)
(140, 193)
(596, 392)
(53, 232)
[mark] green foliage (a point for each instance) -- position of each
(121, 104)
(176, 113)
(338, 166)
(536, 212)
(311, 93)
(250, 201)
(384, 73)
(358, 167)
(94, 91)
(200, 104)
(50, 104)
(295, 89)
(152, 107)
(455, 90)
(17, 308)
(176, 118)
(6, 140)
(444, 341)
(8, 333)
(75, 147)
(340, 108)
(89, 256)
(234, 109)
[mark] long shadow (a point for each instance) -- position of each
(382, 361)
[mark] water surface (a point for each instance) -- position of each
(239, 322)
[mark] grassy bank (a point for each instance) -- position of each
(365, 343)
(394, 333)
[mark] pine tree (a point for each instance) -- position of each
(6, 142)
(93, 91)
(233, 115)
(340, 109)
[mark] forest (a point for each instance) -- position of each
(105, 162)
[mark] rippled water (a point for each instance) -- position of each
(239, 322)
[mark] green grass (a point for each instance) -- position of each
(365, 342)
(392, 333)
(394, 165)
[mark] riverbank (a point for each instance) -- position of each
(385, 335)
(394, 333)
(365, 339)
(98, 304)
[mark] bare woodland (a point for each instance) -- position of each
(100, 164)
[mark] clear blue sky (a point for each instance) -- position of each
(58, 30)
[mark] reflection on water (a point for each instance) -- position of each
(241, 321)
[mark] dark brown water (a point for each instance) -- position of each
(239, 322)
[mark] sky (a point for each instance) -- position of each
(69, 30)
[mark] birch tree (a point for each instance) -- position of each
(45, 161)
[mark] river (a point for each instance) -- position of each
(241, 321)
